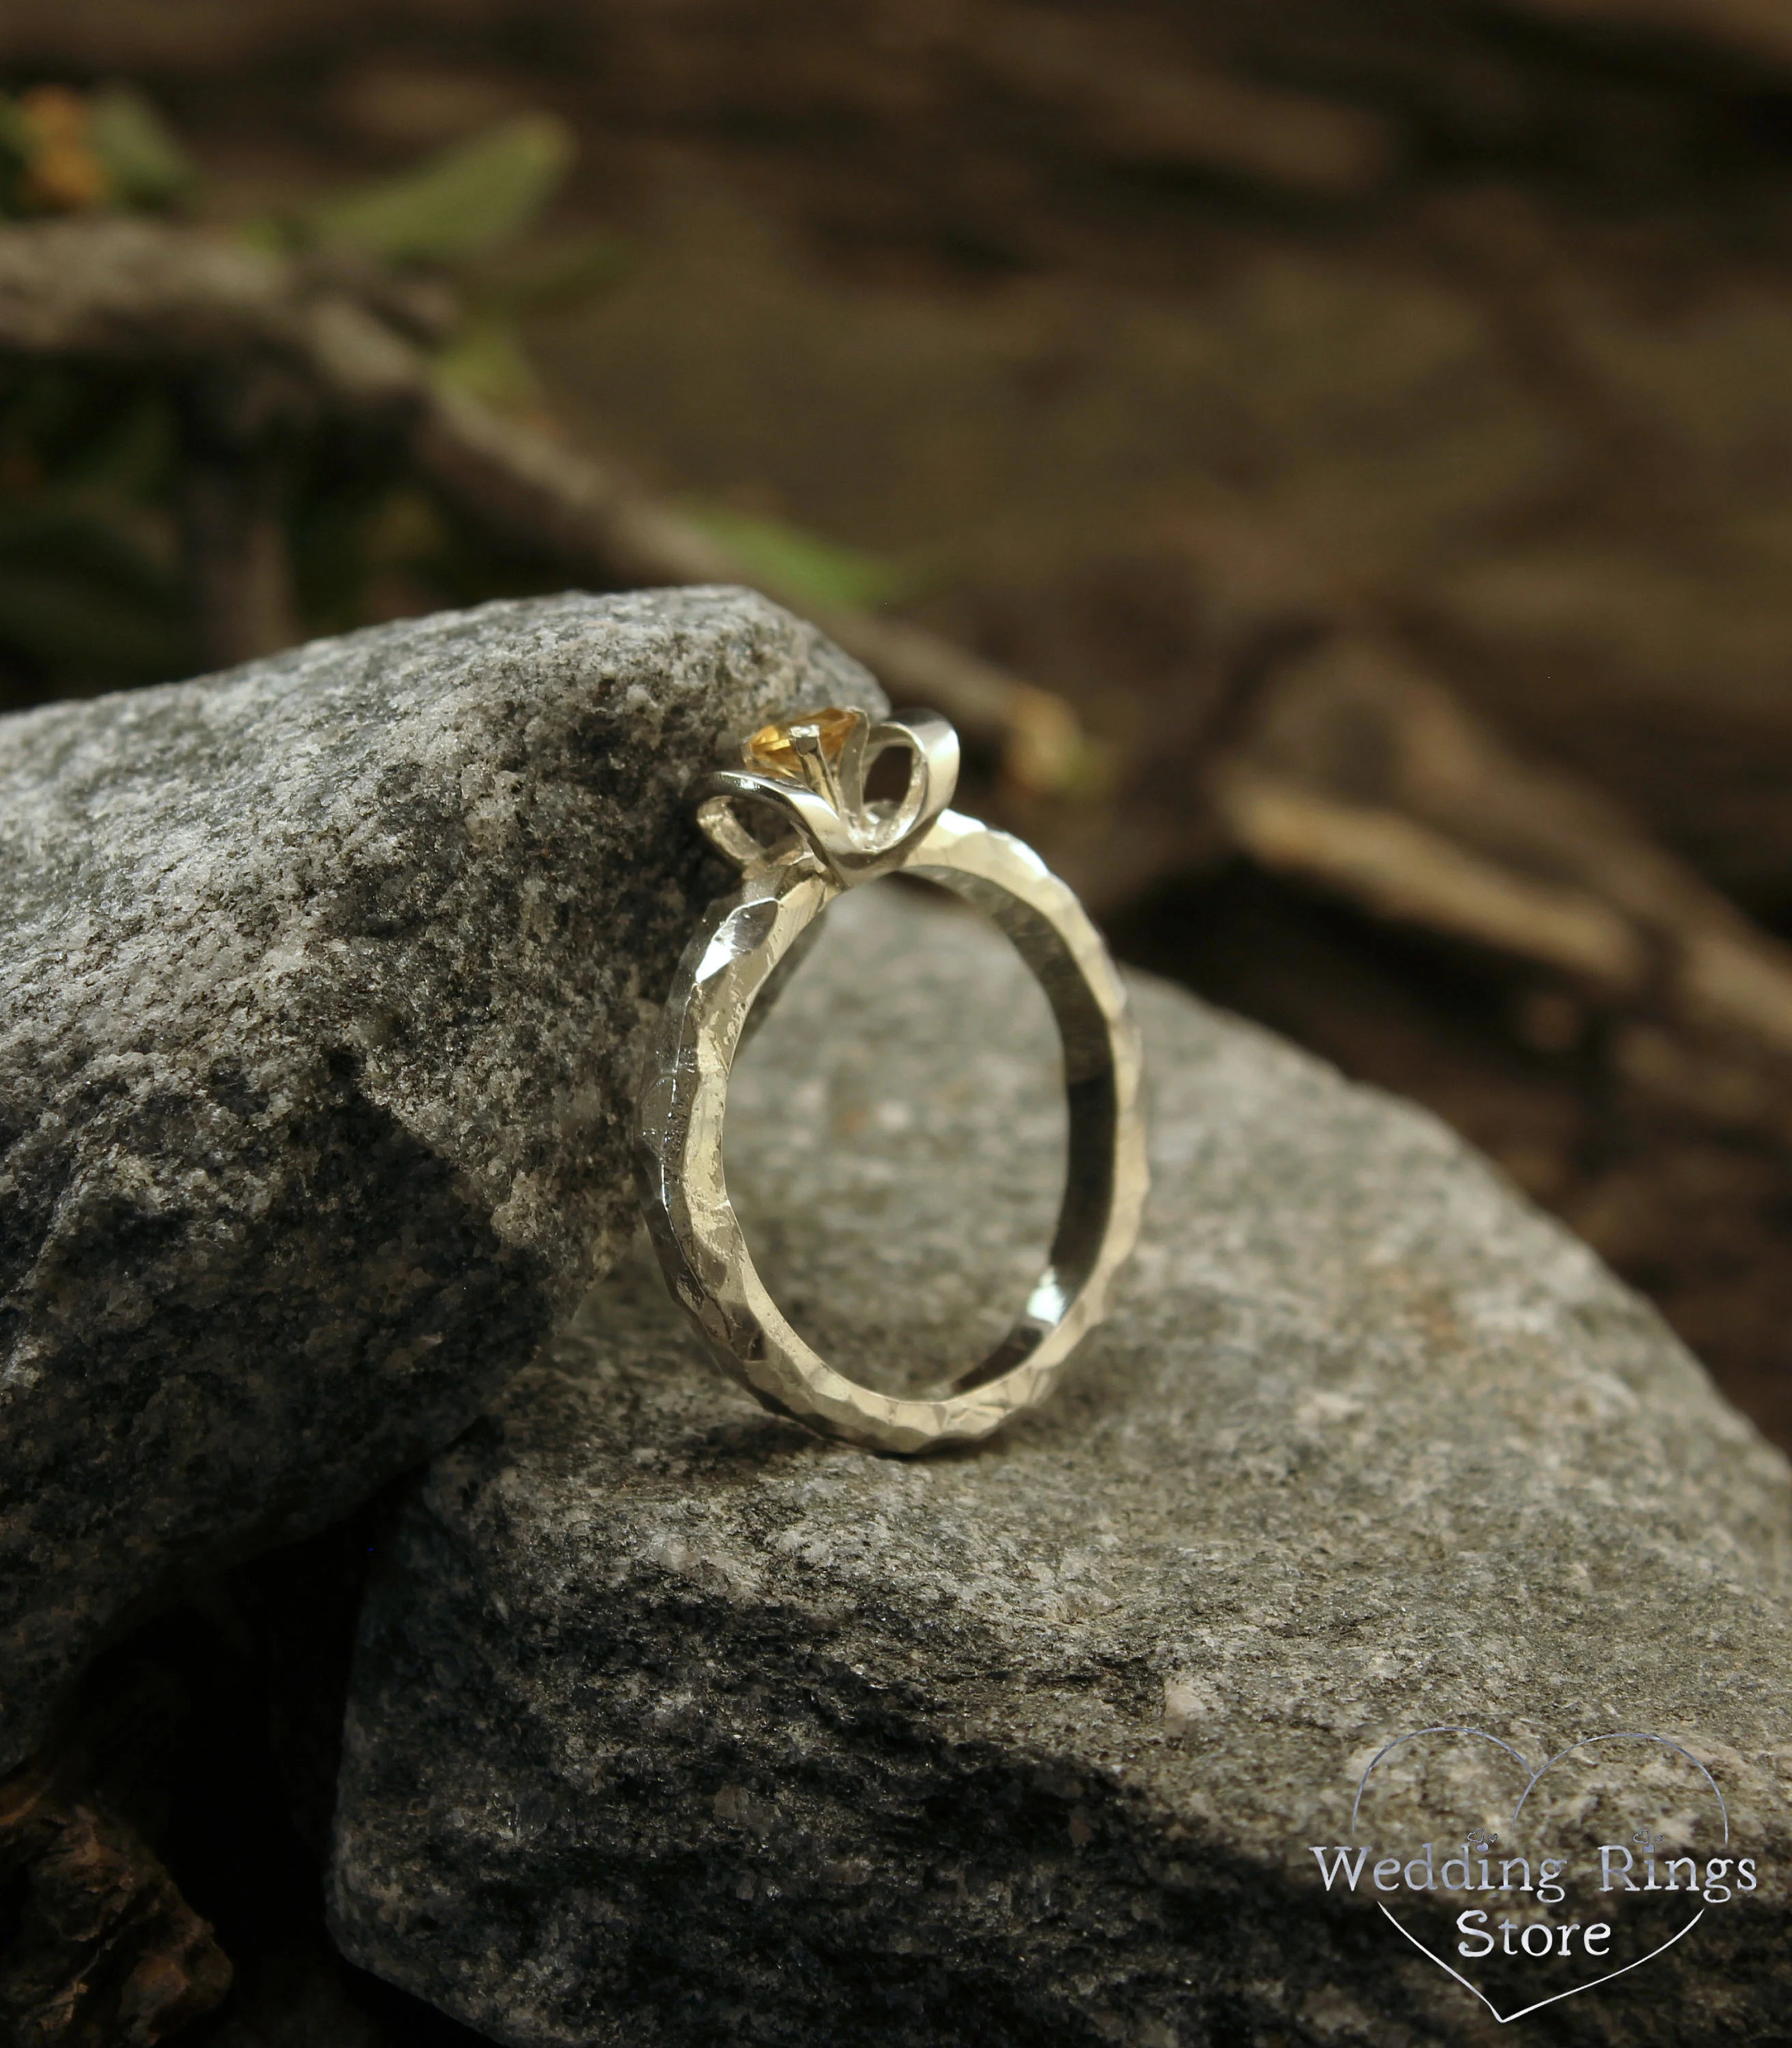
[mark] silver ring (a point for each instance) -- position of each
(796, 820)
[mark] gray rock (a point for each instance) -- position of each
(320, 984)
(670, 1724)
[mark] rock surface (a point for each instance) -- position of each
(670, 1724)
(321, 985)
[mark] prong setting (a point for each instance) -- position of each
(808, 773)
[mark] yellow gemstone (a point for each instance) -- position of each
(774, 749)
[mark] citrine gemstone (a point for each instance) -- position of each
(772, 749)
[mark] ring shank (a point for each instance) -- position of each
(698, 1237)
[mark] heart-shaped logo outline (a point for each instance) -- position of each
(1585, 1742)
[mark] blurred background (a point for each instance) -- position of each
(1333, 457)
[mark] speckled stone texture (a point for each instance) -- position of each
(320, 989)
(671, 1724)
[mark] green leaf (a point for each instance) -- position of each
(273, 234)
(485, 360)
(457, 204)
(560, 281)
(145, 166)
(802, 566)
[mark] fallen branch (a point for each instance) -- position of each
(1371, 783)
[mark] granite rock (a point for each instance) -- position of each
(320, 990)
(671, 1724)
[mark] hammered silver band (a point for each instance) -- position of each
(797, 821)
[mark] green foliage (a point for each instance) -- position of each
(805, 568)
(93, 589)
(486, 359)
(146, 168)
(458, 205)
(64, 152)
(565, 278)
